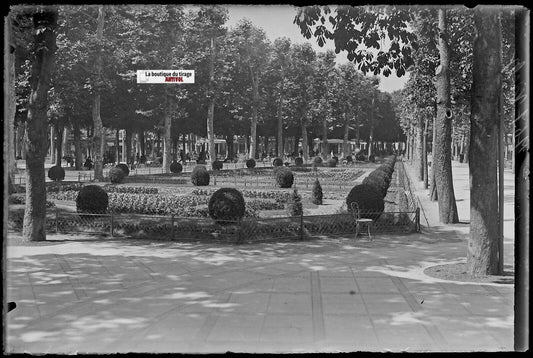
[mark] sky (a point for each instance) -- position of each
(276, 21)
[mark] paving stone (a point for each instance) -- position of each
(290, 303)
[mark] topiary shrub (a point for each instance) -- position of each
(372, 158)
(369, 200)
(250, 163)
(381, 175)
(299, 161)
(217, 165)
(116, 175)
(92, 199)
(277, 162)
(124, 168)
(56, 173)
(317, 161)
(316, 193)
(284, 177)
(378, 183)
(176, 167)
(294, 206)
(332, 163)
(335, 158)
(200, 176)
(226, 204)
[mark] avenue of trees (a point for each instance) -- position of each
(75, 66)
(460, 92)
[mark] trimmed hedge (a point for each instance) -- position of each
(369, 200)
(226, 204)
(217, 165)
(250, 163)
(317, 160)
(299, 161)
(92, 199)
(200, 176)
(124, 168)
(116, 175)
(176, 167)
(284, 177)
(378, 183)
(277, 162)
(56, 173)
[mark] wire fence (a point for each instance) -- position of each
(245, 230)
(404, 219)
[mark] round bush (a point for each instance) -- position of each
(284, 177)
(369, 200)
(217, 165)
(226, 204)
(116, 175)
(299, 161)
(335, 158)
(124, 168)
(250, 163)
(176, 167)
(385, 169)
(200, 176)
(317, 161)
(287, 164)
(378, 183)
(349, 159)
(92, 199)
(372, 158)
(56, 173)
(316, 192)
(277, 162)
(332, 163)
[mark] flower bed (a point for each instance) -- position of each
(278, 196)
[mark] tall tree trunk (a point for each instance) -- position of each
(442, 152)
(99, 133)
(425, 154)
(117, 146)
(433, 196)
(211, 105)
(279, 138)
(304, 140)
(483, 245)
(371, 136)
(52, 142)
(127, 148)
(77, 145)
(255, 104)
(142, 142)
(10, 105)
(59, 128)
(43, 56)
(166, 133)
(419, 149)
(325, 134)
(345, 149)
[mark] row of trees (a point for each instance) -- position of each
(244, 84)
(462, 71)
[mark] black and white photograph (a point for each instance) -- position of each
(204, 179)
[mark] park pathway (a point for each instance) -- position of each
(81, 294)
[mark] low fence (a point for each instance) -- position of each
(245, 230)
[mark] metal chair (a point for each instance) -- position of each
(359, 221)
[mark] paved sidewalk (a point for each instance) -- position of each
(76, 294)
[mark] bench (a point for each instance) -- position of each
(359, 221)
